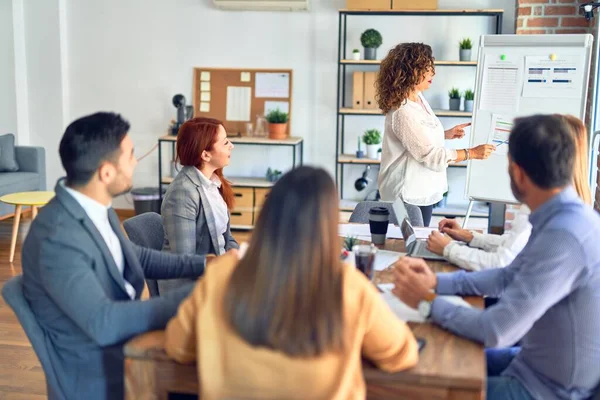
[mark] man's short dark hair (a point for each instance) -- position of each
(88, 142)
(545, 148)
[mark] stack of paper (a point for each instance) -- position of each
(363, 231)
(383, 259)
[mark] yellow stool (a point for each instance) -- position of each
(33, 199)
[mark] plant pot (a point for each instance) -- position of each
(379, 155)
(360, 154)
(356, 56)
(469, 105)
(455, 104)
(277, 131)
(372, 151)
(370, 53)
(465, 55)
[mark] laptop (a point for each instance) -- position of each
(416, 247)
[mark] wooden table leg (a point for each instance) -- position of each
(15, 231)
(34, 211)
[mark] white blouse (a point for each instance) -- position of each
(413, 156)
(488, 251)
(218, 206)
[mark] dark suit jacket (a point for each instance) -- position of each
(78, 296)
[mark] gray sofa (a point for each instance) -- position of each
(30, 176)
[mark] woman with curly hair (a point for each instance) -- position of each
(413, 159)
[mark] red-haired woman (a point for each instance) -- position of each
(195, 209)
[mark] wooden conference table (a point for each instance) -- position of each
(449, 367)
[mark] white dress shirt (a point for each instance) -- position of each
(413, 157)
(487, 251)
(218, 206)
(98, 213)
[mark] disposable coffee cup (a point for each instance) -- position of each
(379, 219)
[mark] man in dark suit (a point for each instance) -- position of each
(82, 277)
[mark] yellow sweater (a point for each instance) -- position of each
(228, 367)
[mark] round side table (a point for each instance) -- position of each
(33, 199)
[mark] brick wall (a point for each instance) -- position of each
(554, 17)
(550, 17)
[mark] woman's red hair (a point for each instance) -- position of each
(198, 135)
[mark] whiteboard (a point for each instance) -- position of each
(520, 75)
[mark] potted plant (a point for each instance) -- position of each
(371, 40)
(379, 154)
(273, 175)
(454, 95)
(465, 49)
(359, 152)
(277, 124)
(469, 97)
(349, 243)
(372, 139)
(356, 54)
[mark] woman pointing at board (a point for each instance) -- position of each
(413, 159)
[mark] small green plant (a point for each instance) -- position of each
(465, 44)
(371, 39)
(469, 95)
(372, 136)
(277, 117)
(273, 174)
(454, 93)
(349, 242)
(356, 51)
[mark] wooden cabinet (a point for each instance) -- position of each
(243, 197)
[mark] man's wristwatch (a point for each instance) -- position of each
(424, 309)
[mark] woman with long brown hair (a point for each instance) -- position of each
(289, 320)
(413, 158)
(487, 251)
(195, 209)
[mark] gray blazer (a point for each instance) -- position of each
(189, 221)
(78, 296)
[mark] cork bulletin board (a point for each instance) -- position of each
(237, 96)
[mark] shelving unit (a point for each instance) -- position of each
(251, 190)
(343, 112)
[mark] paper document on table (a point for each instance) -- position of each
(500, 88)
(272, 84)
(363, 230)
(407, 313)
(499, 132)
(383, 259)
(558, 78)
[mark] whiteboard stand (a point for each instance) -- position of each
(469, 209)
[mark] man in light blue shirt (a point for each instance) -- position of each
(550, 294)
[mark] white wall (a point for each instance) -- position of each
(8, 100)
(132, 57)
(45, 83)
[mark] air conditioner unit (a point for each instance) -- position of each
(263, 5)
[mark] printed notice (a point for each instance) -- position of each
(204, 107)
(205, 86)
(205, 76)
(500, 88)
(238, 103)
(499, 132)
(245, 77)
(546, 78)
(272, 85)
